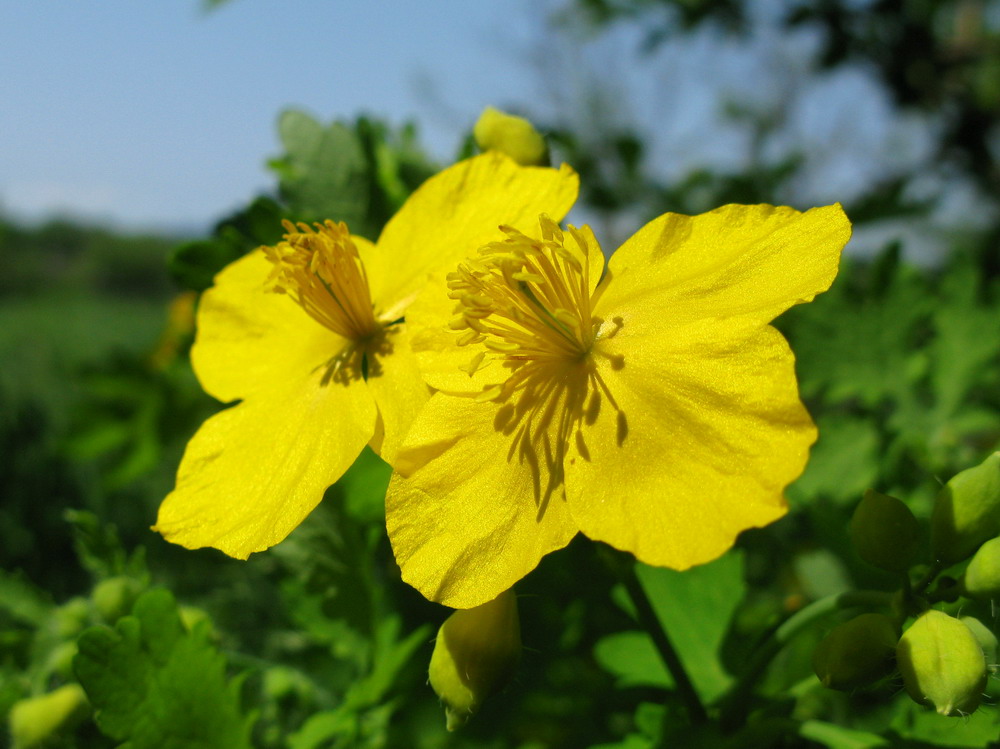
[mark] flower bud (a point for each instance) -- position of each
(942, 664)
(884, 532)
(856, 653)
(113, 597)
(986, 639)
(513, 136)
(475, 655)
(35, 719)
(981, 579)
(967, 512)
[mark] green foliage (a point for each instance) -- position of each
(153, 684)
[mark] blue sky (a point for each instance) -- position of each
(159, 114)
(156, 114)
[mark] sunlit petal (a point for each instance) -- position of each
(466, 518)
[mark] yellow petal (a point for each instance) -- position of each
(399, 391)
(463, 517)
(253, 472)
(454, 213)
(248, 338)
(735, 260)
(708, 432)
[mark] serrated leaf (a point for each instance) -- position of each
(324, 174)
(842, 463)
(965, 343)
(157, 686)
(194, 264)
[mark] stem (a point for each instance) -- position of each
(735, 704)
(625, 569)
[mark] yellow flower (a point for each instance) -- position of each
(656, 411)
(308, 334)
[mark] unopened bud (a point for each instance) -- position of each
(981, 579)
(942, 664)
(34, 720)
(113, 597)
(475, 655)
(967, 512)
(856, 653)
(513, 136)
(986, 639)
(884, 532)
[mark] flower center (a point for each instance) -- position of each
(320, 269)
(527, 301)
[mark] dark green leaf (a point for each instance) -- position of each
(157, 686)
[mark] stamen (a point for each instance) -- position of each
(320, 268)
(526, 300)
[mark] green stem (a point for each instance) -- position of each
(736, 704)
(624, 566)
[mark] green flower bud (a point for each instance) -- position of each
(856, 653)
(35, 719)
(513, 136)
(70, 618)
(981, 578)
(942, 664)
(113, 598)
(60, 659)
(884, 532)
(967, 512)
(986, 639)
(475, 655)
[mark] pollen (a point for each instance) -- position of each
(527, 300)
(320, 269)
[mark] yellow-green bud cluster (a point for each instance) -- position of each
(942, 663)
(944, 660)
(966, 512)
(475, 655)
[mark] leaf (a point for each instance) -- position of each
(324, 174)
(695, 607)
(965, 344)
(193, 265)
(157, 686)
(842, 463)
(847, 349)
(633, 660)
(24, 602)
(919, 723)
(833, 736)
(365, 710)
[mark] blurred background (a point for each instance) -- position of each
(145, 145)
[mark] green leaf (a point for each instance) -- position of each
(843, 462)
(695, 607)
(837, 737)
(919, 723)
(324, 174)
(194, 264)
(157, 686)
(22, 601)
(632, 659)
